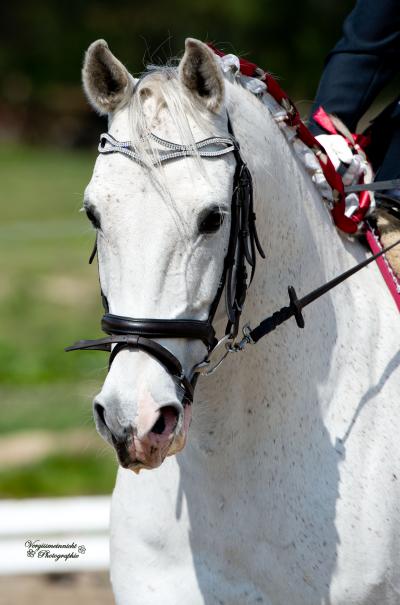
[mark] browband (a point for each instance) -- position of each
(108, 144)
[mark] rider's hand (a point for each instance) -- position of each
(351, 166)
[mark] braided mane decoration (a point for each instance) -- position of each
(317, 163)
(311, 153)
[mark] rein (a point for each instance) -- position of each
(252, 336)
(139, 333)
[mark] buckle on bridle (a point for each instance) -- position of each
(238, 347)
(209, 365)
(223, 347)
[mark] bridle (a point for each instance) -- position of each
(138, 333)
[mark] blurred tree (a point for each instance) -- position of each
(43, 44)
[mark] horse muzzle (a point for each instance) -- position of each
(154, 434)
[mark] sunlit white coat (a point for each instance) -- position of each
(287, 491)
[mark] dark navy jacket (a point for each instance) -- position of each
(365, 59)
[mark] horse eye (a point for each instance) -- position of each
(93, 217)
(212, 221)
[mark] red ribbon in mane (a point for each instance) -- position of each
(293, 119)
(357, 142)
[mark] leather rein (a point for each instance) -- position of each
(138, 333)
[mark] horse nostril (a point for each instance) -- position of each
(167, 420)
(159, 426)
(100, 413)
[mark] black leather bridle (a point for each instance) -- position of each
(139, 333)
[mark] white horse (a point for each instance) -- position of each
(287, 492)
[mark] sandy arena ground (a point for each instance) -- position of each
(62, 589)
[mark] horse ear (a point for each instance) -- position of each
(200, 72)
(106, 82)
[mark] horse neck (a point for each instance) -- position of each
(298, 237)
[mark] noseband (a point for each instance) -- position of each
(138, 333)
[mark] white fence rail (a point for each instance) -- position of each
(75, 530)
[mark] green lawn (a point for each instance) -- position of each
(60, 475)
(48, 298)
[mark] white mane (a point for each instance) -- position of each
(184, 109)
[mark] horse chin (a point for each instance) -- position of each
(176, 445)
(138, 466)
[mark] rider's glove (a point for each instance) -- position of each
(352, 166)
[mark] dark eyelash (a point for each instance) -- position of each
(93, 217)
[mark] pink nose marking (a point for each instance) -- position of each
(154, 425)
(147, 414)
(153, 446)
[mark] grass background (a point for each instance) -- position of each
(48, 298)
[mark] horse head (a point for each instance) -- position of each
(163, 231)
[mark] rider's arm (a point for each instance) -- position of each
(362, 62)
